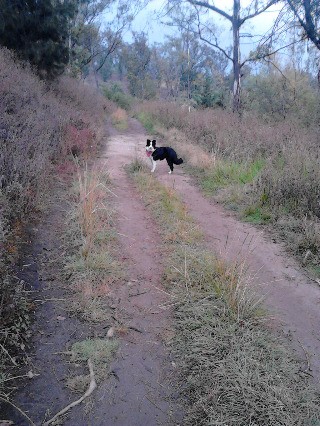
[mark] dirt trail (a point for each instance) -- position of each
(138, 392)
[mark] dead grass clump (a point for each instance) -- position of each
(196, 156)
(137, 165)
(201, 272)
(236, 373)
(91, 262)
(120, 119)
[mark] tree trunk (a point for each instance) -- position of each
(236, 57)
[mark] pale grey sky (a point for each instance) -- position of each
(148, 22)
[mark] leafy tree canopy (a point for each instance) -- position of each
(38, 31)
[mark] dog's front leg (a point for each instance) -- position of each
(154, 163)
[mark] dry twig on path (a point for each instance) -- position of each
(18, 409)
(89, 391)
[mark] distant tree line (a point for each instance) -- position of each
(86, 36)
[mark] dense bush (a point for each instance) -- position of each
(37, 124)
(115, 93)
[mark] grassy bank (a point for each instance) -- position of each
(267, 172)
(43, 126)
(232, 369)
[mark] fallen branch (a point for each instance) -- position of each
(89, 391)
(18, 409)
(6, 352)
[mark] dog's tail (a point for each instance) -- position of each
(178, 161)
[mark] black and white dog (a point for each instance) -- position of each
(162, 153)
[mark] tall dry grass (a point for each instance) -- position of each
(90, 239)
(225, 134)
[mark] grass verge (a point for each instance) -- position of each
(232, 370)
(91, 267)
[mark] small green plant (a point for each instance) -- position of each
(137, 166)
(99, 351)
(256, 215)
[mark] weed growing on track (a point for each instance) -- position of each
(232, 369)
(100, 352)
(92, 264)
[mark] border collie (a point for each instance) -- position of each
(162, 153)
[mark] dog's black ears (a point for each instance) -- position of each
(153, 143)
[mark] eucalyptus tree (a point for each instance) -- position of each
(185, 67)
(137, 60)
(307, 13)
(201, 15)
(96, 32)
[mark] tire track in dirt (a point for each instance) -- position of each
(138, 391)
(292, 299)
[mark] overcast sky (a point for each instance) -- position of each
(148, 22)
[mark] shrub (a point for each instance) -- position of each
(115, 94)
(39, 126)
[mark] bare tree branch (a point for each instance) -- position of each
(267, 54)
(308, 25)
(258, 12)
(213, 44)
(211, 7)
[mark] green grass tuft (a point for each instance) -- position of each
(227, 173)
(257, 215)
(147, 121)
(99, 351)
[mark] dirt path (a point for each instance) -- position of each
(138, 392)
